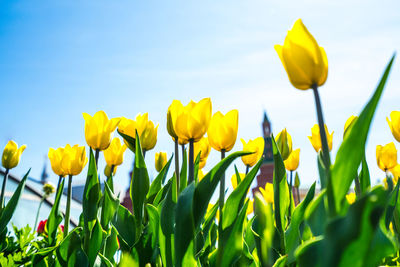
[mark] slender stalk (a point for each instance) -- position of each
(191, 162)
(358, 186)
(221, 202)
(290, 194)
(183, 152)
(3, 189)
(144, 153)
(177, 165)
(247, 169)
(96, 157)
(325, 151)
(110, 180)
(37, 213)
(59, 182)
(67, 212)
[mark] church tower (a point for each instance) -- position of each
(267, 168)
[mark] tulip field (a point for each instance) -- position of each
(174, 222)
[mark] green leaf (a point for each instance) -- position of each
(156, 185)
(281, 262)
(139, 187)
(192, 205)
(196, 167)
(8, 211)
(309, 253)
(154, 221)
(365, 180)
(111, 244)
(129, 139)
(352, 149)
(166, 231)
(55, 216)
(321, 170)
(69, 252)
(236, 199)
(110, 207)
(315, 214)
(163, 192)
(183, 174)
(293, 234)
(124, 222)
(281, 194)
(96, 241)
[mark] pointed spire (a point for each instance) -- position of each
(265, 116)
(43, 178)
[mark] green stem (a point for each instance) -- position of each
(110, 180)
(358, 186)
(191, 161)
(177, 165)
(325, 152)
(221, 202)
(37, 213)
(3, 189)
(290, 194)
(247, 169)
(67, 212)
(96, 157)
(144, 154)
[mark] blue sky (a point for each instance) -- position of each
(59, 59)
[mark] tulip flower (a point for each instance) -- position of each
(146, 130)
(203, 147)
(396, 173)
(351, 198)
(160, 160)
(292, 162)
(250, 207)
(114, 154)
(257, 147)
(395, 124)
(42, 227)
(11, 155)
(192, 123)
(174, 110)
(350, 121)
(268, 193)
(99, 130)
(222, 131)
(107, 170)
(386, 156)
(55, 157)
(315, 138)
(284, 143)
(304, 60)
(10, 159)
(234, 179)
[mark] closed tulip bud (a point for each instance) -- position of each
(11, 154)
(174, 110)
(192, 123)
(315, 138)
(48, 189)
(234, 179)
(55, 157)
(146, 130)
(292, 162)
(160, 160)
(395, 124)
(203, 148)
(257, 147)
(304, 60)
(99, 129)
(386, 156)
(296, 180)
(284, 143)
(114, 154)
(268, 193)
(222, 132)
(350, 121)
(351, 198)
(107, 170)
(74, 159)
(250, 207)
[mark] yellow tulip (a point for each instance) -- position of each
(268, 193)
(11, 154)
(386, 156)
(304, 60)
(396, 173)
(204, 148)
(351, 198)
(234, 179)
(250, 207)
(292, 162)
(222, 132)
(257, 147)
(74, 159)
(55, 157)
(315, 138)
(107, 170)
(174, 110)
(395, 124)
(350, 121)
(114, 154)
(161, 160)
(284, 143)
(192, 123)
(145, 128)
(99, 129)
